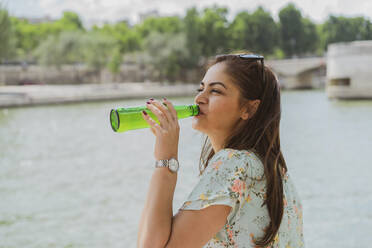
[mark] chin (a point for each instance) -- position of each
(195, 126)
(200, 124)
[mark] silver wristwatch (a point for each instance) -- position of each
(172, 164)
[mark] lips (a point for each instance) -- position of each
(200, 112)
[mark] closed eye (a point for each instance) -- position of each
(198, 90)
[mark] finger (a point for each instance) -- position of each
(162, 107)
(171, 108)
(163, 120)
(153, 131)
(154, 126)
(173, 113)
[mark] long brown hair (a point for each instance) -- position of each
(260, 133)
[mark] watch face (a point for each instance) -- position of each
(173, 165)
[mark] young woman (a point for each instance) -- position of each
(245, 196)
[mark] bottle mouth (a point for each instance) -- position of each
(114, 120)
(199, 111)
(195, 109)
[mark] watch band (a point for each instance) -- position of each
(172, 164)
(162, 163)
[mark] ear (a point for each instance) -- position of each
(251, 109)
(255, 104)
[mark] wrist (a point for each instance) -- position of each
(172, 164)
(167, 157)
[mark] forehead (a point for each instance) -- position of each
(216, 73)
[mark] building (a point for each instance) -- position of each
(349, 70)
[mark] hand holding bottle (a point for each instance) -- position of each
(167, 132)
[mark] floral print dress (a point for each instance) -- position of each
(236, 178)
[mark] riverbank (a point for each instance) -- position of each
(31, 95)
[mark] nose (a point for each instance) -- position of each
(200, 99)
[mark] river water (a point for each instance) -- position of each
(67, 180)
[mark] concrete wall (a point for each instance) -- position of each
(80, 74)
(293, 74)
(314, 78)
(349, 73)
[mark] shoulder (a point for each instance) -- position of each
(246, 160)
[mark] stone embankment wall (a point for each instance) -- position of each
(81, 74)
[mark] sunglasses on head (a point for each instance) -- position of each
(255, 57)
(252, 57)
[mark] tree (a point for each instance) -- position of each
(28, 35)
(343, 29)
(256, 32)
(310, 40)
(192, 30)
(97, 50)
(214, 26)
(70, 21)
(298, 35)
(6, 46)
(115, 62)
(165, 53)
(166, 24)
(65, 48)
(126, 38)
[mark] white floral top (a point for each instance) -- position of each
(231, 178)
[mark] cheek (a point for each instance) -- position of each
(222, 113)
(221, 109)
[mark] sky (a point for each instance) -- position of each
(100, 11)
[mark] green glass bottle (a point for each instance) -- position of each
(124, 119)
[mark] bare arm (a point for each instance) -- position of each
(156, 219)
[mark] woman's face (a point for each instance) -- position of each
(218, 102)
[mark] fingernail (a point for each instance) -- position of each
(151, 99)
(148, 102)
(164, 98)
(144, 112)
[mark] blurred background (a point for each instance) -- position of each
(67, 180)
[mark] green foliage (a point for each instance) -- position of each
(97, 49)
(168, 24)
(70, 21)
(206, 33)
(193, 44)
(254, 32)
(65, 48)
(291, 29)
(165, 53)
(339, 29)
(28, 36)
(126, 38)
(6, 46)
(173, 44)
(115, 61)
(298, 35)
(213, 33)
(310, 39)
(277, 54)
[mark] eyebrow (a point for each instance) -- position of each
(214, 83)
